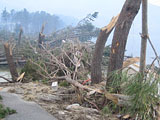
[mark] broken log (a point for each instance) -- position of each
(5, 79)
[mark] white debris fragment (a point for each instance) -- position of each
(73, 106)
(55, 86)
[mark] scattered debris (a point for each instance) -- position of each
(61, 103)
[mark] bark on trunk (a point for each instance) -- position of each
(10, 61)
(127, 15)
(144, 36)
(96, 73)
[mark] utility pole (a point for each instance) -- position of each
(144, 36)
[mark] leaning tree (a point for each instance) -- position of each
(122, 28)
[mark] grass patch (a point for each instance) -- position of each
(144, 96)
(143, 92)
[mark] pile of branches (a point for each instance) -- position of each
(69, 59)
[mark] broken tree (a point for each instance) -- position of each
(122, 28)
(20, 36)
(11, 64)
(96, 73)
(41, 36)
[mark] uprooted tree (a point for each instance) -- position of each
(122, 28)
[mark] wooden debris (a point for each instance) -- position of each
(20, 78)
(130, 61)
(121, 100)
(126, 117)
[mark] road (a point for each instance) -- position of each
(25, 110)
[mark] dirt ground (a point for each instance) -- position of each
(61, 103)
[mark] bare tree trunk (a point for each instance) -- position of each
(144, 35)
(96, 73)
(20, 36)
(127, 15)
(10, 61)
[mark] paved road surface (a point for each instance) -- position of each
(25, 110)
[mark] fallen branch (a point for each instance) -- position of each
(5, 79)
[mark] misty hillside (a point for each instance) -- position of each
(32, 22)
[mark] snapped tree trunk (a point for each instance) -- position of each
(41, 36)
(96, 73)
(40, 39)
(122, 28)
(11, 64)
(20, 36)
(144, 36)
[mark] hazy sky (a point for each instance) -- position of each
(155, 2)
(68, 7)
(75, 8)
